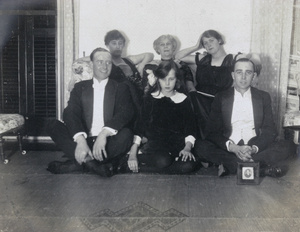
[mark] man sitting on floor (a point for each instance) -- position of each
(241, 128)
(94, 134)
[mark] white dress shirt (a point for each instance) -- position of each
(242, 119)
(98, 116)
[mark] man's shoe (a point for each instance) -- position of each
(105, 170)
(69, 166)
(223, 171)
(273, 171)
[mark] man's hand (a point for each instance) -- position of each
(243, 152)
(99, 152)
(82, 150)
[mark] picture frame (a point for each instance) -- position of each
(248, 173)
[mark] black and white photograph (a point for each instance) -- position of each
(149, 115)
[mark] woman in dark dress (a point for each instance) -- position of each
(213, 73)
(167, 121)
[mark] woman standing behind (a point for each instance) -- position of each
(167, 121)
(213, 73)
(165, 46)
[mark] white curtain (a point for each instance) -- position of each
(67, 29)
(271, 38)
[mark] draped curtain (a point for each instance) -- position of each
(271, 38)
(68, 21)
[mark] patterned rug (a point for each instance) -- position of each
(135, 218)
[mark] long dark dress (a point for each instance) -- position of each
(165, 124)
(210, 80)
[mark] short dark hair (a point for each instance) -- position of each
(113, 35)
(163, 70)
(243, 60)
(212, 33)
(97, 50)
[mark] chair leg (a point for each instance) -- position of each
(20, 142)
(4, 159)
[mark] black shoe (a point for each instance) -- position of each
(273, 171)
(105, 170)
(69, 166)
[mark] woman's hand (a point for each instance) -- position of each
(186, 155)
(132, 160)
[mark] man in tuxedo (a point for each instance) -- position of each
(94, 133)
(241, 128)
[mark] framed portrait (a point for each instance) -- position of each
(248, 173)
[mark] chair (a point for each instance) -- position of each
(11, 124)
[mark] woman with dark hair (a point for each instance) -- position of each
(213, 72)
(166, 120)
(132, 65)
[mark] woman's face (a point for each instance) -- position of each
(211, 44)
(168, 83)
(166, 49)
(116, 47)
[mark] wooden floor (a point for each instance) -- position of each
(34, 200)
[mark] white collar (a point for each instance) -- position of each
(100, 84)
(176, 98)
(246, 94)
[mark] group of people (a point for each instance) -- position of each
(142, 115)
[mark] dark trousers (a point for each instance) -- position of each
(117, 146)
(277, 154)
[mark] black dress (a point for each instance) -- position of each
(210, 80)
(165, 124)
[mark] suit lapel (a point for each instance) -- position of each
(88, 103)
(257, 109)
(227, 106)
(109, 100)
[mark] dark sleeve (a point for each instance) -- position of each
(215, 124)
(144, 116)
(186, 72)
(190, 120)
(72, 115)
(267, 132)
(124, 109)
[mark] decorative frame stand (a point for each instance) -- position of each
(248, 173)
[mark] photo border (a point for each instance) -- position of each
(241, 181)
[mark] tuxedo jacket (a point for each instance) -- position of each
(219, 126)
(117, 106)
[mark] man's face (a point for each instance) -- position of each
(243, 75)
(116, 47)
(102, 65)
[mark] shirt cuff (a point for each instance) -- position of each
(113, 131)
(190, 139)
(228, 143)
(137, 139)
(256, 148)
(78, 134)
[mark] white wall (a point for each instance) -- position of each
(142, 21)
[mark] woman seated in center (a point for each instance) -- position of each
(166, 120)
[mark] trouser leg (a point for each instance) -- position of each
(208, 151)
(61, 137)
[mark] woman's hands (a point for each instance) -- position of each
(186, 153)
(132, 160)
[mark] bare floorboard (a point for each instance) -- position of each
(32, 199)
